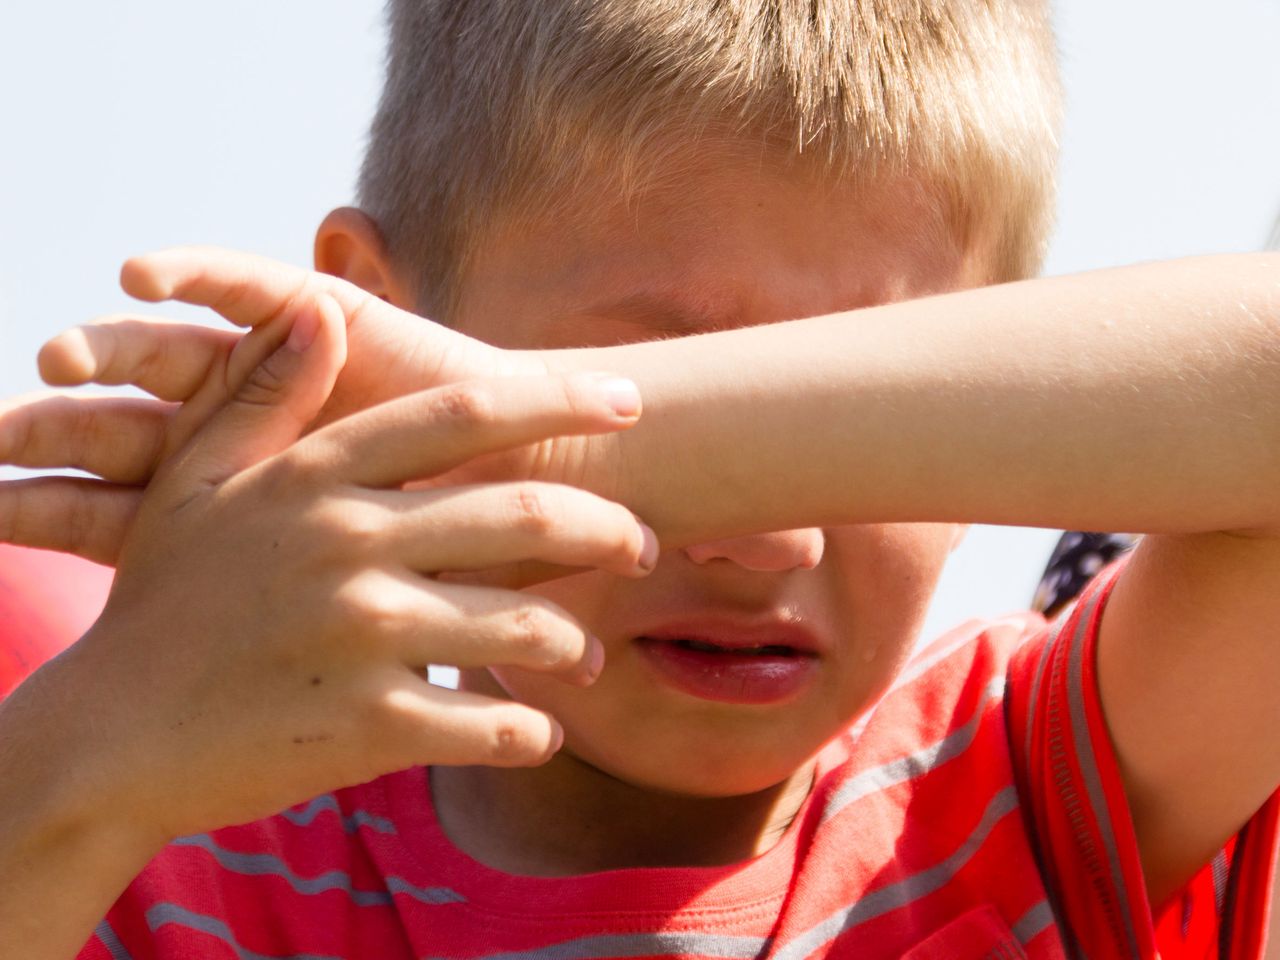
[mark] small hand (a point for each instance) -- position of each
(276, 600)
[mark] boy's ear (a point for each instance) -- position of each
(958, 535)
(350, 245)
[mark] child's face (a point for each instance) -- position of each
(734, 245)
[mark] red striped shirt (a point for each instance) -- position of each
(975, 812)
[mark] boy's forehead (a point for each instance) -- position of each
(724, 245)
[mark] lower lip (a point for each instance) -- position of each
(729, 677)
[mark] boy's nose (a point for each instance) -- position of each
(767, 552)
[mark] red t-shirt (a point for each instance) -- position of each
(976, 812)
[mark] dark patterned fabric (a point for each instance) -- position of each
(1075, 560)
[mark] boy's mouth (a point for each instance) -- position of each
(704, 646)
(732, 666)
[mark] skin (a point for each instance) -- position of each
(736, 246)
(1191, 715)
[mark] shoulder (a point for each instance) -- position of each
(917, 833)
(945, 679)
(942, 718)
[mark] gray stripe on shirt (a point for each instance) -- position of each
(618, 945)
(164, 914)
(269, 865)
(897, 895)
(915, 764)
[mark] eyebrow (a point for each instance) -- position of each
(661, 313)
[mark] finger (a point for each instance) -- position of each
(87, 518)
(511, 576)
(422, 724)
(246, 289)
(167, 360)
(426, 623)
(490, 525)
(404, 351)
(119, 439)
(274, 405)
(437, 430)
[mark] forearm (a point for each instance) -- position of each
(1143, 399)
(62, 864)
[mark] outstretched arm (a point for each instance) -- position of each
(1162, 383)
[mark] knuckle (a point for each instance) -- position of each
(21, 430)
(155, 353)
(81, 519)
(277, 479)
(377, 614)
(341, 529)
(531, 635)
(467, 403)
(289, 481)
(235, 293)
(354, 607)
(510, 741)
(575, 398)
(384, 722)
(265, 384)
(62, 428)
(532, 510)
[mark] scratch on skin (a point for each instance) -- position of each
(313, 738)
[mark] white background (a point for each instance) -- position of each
(145, 123)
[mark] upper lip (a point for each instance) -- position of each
(733, 633)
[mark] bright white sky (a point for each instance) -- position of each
(144, 123)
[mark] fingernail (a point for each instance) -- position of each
(304, 330)
(595, 661)
(557, 740)
(621, 394)
(649, 553)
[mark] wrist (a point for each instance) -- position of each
(592, 463)
(63, 859)
(64, 785)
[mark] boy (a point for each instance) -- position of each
(694, 810)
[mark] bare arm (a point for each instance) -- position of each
(62, 861)
(1162, 385)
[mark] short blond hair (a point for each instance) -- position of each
(496, 107)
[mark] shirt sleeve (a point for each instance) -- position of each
(1080, 823)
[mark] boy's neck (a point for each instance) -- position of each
(567, 818)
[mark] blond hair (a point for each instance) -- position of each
(498, 107)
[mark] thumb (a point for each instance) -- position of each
(277, 401)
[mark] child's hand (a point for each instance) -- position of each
(192, 371)
(275, 602)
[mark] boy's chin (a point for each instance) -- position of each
(718, 773)
(691, 755)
